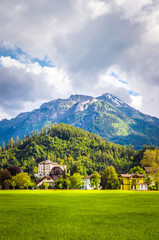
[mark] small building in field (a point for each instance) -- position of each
(47, 179)
(133, 182)
(45, 167)
(87, 183)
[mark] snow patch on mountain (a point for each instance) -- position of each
(3, 116)
(114, 100)
(81, 106)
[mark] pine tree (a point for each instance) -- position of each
(17, 139)
(11, 142)
(4, 146)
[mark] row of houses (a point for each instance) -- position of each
(49, 172)
(127, 182)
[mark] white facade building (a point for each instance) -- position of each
(45, 167)
(143, 186)
(87, 183)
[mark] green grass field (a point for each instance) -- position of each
(49, 214)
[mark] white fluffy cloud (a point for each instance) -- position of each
(86, 41)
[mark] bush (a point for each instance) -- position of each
(62, 184)
(21, 180)
(76, 180)
(109, 179)
(153, 188)
(41, 186)
(5, 177)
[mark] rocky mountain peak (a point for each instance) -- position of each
(113, 100)
(78, 98)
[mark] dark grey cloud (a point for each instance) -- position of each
(21, 86)
(101, 43)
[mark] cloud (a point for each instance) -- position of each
(85, 41)
(22, 84)
(97, 8)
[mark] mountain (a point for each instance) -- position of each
(105, 115)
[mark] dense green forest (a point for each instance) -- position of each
(68, 145)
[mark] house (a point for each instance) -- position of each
(47, 179)
(132, 182)
(87, 183)
(45, 167)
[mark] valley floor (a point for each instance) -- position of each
(76, 214)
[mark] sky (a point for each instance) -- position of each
(52, 49)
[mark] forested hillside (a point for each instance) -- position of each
(66, 145)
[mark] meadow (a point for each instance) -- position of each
(76, 214)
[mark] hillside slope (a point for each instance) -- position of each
(68, 145)
(105, 115)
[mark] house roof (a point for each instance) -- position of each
(48, 162)
(126, 175)
(132, 175)
(54, 178)
(89, 176)
(46, 177)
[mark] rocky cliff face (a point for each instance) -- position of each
(105, 115)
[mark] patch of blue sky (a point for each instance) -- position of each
(133, 93)
(43, 62)
(124, 82)
(13, 53)
(113, 74)
(18, 54)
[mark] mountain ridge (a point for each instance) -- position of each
(105, 115)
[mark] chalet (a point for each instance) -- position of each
(47, 179)
(132, 182)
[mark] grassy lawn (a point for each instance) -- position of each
(41, 214)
